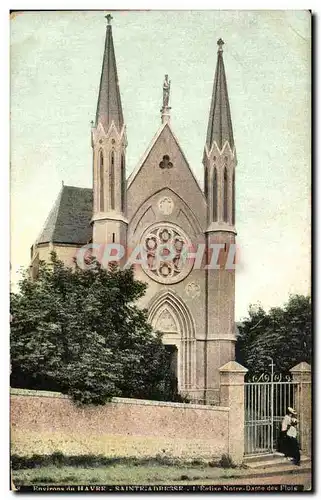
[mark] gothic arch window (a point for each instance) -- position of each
(215, 195)
(112, 181)
(123, 183)
(225, 199)
(205, 182)
(101, 180)
(233, 198)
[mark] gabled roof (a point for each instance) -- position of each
(141, 162)
(219, 128)
(69, 219)
(109, 108)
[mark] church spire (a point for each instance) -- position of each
(109, 107)
(108, 140)
(219, 128)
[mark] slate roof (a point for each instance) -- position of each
(109, 104)
(220, 124)
(69, 218)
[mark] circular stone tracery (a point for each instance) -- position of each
(166, 249)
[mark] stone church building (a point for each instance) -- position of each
(161, 201)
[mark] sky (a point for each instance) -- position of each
(56, 60)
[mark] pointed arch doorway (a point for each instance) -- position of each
(168, 314)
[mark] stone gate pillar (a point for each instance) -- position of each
(232, 396)
(301, 376)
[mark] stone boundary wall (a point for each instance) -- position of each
(47, 422)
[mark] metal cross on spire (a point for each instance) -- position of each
(220, 44)
(109, 17)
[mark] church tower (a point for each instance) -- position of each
(219, 180)
(109, 143)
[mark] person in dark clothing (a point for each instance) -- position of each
(283, 438)
(293, 445)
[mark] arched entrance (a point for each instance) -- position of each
(169, 315)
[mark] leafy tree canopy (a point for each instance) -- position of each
(283, 333)
(80, 332)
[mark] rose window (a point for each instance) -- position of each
(165, 250)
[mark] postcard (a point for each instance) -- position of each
(160, 315)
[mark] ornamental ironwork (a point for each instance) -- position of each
(266, 377)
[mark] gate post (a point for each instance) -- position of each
(232, 396)
(301, 376)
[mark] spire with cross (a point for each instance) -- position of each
(219, 128)
(109, 108)
(108, 140)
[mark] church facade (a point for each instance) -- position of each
(161, 202)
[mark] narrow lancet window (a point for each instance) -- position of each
(123, 183)
(215, 195)
(205, 182)
(112, 180)
(233, 199)
(101, 181)
(225, 200)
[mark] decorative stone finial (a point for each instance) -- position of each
(109, 17)
(220, 44)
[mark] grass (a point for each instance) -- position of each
(118, 474)
(59, 459)
(58, 468)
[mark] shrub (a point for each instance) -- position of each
(226, 462)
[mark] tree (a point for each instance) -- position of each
(284, 334)
(80, 332)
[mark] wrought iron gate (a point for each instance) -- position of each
(267, 397)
